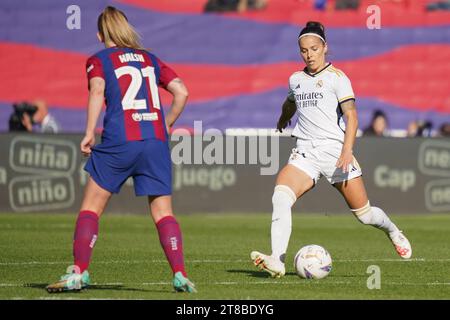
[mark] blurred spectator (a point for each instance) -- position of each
(420, 129)
(32, 117)
(320, 4)
(234, 5)
(439, 5)
(347, 4)
(378, 126)
(46, 122)
(444, 130)
(413, 127)
(20, 119)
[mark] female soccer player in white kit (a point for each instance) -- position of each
(321, 95)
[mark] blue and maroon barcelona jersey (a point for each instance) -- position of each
(133, 107)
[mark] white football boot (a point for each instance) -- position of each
(71, 281)
(269, 264)
(401, 244)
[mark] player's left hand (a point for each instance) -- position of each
(345, 160)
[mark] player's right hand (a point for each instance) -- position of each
(86, 144)
(282, 124)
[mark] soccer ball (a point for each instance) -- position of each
(312, 262)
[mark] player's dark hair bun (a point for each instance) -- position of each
(315, 24)
(314, 27)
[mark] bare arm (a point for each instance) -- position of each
(180, 95)
(95, 104)
(287, 112)
(351, 116)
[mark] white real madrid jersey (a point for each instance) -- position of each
(317, 98)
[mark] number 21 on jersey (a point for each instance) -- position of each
(129, 101)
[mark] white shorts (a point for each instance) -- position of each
(318, 161)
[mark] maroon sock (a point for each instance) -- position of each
(86, 231)
(171, 241)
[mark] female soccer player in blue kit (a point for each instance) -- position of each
(134, 144)
(321, 95)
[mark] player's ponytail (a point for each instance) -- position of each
(313, 28)
(113, 26)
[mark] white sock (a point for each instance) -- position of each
(375, 217)
(381, 221)
(282, 201)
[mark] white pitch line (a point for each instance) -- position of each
(10, 285)
(235, 283)
(390, 260)
(14, 263)
(418, 284)
(72, 298)
(32, 262)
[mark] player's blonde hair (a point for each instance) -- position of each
(113, 26)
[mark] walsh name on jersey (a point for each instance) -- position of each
(126, 57)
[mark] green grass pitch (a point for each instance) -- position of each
(128, 262)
